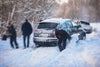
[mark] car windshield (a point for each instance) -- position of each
(46, 25)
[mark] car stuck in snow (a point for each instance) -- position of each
(45, 32)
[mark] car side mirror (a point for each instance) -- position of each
(78, 26)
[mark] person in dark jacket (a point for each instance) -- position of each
(12, 35)
(26, 31)
(62, 36)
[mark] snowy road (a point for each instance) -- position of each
(82, 54)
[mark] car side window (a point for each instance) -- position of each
(74, 24)
(63, 25)
(68, 24)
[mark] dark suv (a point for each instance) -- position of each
(44, 35)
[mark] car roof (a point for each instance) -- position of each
(56, 20)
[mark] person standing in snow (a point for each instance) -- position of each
(62, 37)
(26, 31)
(12, 34)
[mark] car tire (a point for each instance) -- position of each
(82, 36)
(37, 45)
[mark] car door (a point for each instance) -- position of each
(67, 25)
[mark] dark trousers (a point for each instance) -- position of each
(62, 44)
(13, 40)
(24, 38)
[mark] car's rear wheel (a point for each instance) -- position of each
(84, 37)
(37, 45)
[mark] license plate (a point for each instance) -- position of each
(45, 35)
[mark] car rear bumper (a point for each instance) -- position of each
(42, 40)
(88, 31)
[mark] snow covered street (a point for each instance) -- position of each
(85, 53)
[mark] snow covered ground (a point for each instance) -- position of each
(85, 53)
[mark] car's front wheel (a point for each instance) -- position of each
(82, 36)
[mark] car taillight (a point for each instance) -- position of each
(35, 31)
(53, 32)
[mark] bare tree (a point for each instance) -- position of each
(19, 10)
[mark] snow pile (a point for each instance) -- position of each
(82, 54)
(85, 53)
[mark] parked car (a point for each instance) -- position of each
(44, 34)
(86, 26)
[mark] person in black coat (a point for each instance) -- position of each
(26, 31)
(12, 34)
(62, 36)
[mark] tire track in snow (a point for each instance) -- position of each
(44, 55)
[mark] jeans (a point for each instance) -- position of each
(62, 44)
(24, 38)
(13, 40)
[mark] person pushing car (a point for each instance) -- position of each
(62, 37)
